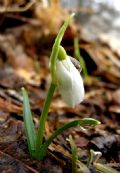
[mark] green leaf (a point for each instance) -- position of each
(77, 165)
(83, 122)
(74, 154)
(79, 57)
(28, 123)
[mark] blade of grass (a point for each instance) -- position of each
(28, 123)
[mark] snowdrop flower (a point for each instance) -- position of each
(69, 81)
(67, 78)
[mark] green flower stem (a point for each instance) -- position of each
(53, 58)
(55, 49)
(83, 122)
(43, 118)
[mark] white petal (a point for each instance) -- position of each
(77, 92)
(63, 76)
(70, 83)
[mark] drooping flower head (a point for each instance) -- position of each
(68, 79)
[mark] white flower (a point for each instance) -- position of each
(69, 81)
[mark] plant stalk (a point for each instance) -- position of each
(43, 118)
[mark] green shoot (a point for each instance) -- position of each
(77, 165)
(74, 154)
(94, 157)
(79, 57)
(90, 160)
(103, 168)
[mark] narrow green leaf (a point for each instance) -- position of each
(28, 123)
(74, 154)
(83, 122)
(77, 165)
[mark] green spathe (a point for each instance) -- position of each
(56, 46)
(62, 55)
